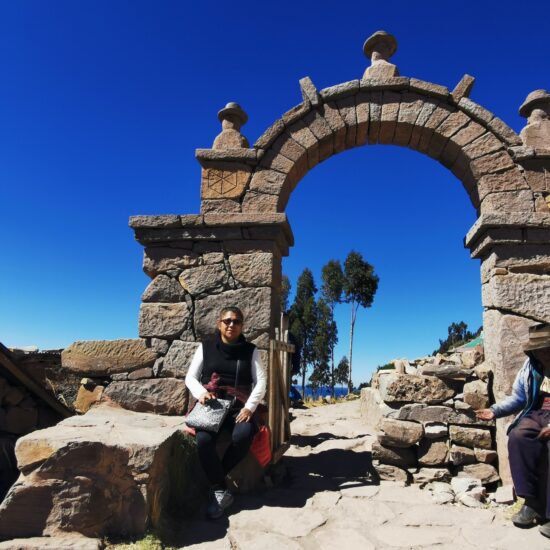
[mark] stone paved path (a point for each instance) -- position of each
(329, 503)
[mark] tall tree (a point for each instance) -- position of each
(331, 290)
(360, 286)
(326, 337)
(342, 371)
(303, 320)
(285, 292)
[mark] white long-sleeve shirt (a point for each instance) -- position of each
(259, 379)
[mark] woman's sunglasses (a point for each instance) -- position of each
(228, 322)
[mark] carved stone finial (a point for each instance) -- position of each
(536, 108)
(379, 47)
(232, 118)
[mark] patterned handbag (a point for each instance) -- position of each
(210, 416)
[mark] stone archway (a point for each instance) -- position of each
(232, 251)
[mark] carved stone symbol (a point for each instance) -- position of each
(222, 181)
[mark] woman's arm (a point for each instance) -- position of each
(259, 377)
(515, 402)
(193, 375)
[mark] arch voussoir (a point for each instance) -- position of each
(388, 116)
(346, 108)
(409, 108)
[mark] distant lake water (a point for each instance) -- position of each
(323, 392)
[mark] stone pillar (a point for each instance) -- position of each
(514, 250)
(200, 264)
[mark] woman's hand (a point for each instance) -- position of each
(244, 416)
(485, 414)
(544, 433)
(207, 396)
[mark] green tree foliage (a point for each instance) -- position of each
(341, 373)
(303, 320)
(457, 335)
(326, 337)
(285, 292)
(360, 286)
(332, 288)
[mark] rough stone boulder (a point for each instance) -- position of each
(399, 433)
(155, 395)
(471, 437)
(429, 414)
(434, 452)
(412, 388)
(373, 409)
(108, 472)
(395, 456)
(484, 472)
(476, 394)
(448, 371)
(105, 357)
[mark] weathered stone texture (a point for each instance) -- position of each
(163, 320)
(163, 289)
(400, 388)
(224, 182)
(399, 433)
(508, 201)
(433, 452)
(177, 360)
(252, 269)
(476, 394)
(471, 437)
(395, 456)
(387, 472)
(203, 279)
(439, 413)
(103, 357)
(167, 396)
(157, 260)
(484, 472)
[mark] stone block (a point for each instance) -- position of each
(521, 293)
(204, 279)
(163, 289)
(411, 105)
(331, 114)
(320, 128)
(476, 394)
(305, 137)
(102, 474)
(472, 357)
(256, 304)
(487, 456)
(309, 91)
(86, 397)
(226, 181)
(433, 452)
(252, 269)
(159, 345)
(346, 107)
(373, 409)
(435, 430)
(509, 201)
(407, 388)
(163, 320)
(270, 135)
(375, 113)
(484, 472)
(157, 260)
(214, 206)
(428, 88)
(423, 116)
(105, 357)
(387, 472)
(140, 374)
(388, 118)
(395, 456)
(340, 90)
(429, 475)
(483, 145)
(362, 111)
(167, 396)
(471, 437)
(491, 164)
(463, 88)
(446, 371)
(177, 360)
(260, 202)
(440, 414)
(69, 541)
(399, 433)
(461, 455)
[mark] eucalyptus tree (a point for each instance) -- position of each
(326, 337)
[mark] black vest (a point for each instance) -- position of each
(222, 359)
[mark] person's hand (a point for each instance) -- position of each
(485, 414)
(244, 416)
(544, 433)
(207, 396)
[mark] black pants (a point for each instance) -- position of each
(525, 452)
(242, 434)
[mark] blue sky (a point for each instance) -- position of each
(103, 103)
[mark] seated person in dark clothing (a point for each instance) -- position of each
(529, 434)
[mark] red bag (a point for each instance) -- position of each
(261, 446)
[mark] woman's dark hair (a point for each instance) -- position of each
(232, 309)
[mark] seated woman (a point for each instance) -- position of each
(213, 374)
(529, 433)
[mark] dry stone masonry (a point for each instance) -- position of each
(427, 429)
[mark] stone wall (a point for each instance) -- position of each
(424, 414)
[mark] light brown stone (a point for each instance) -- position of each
(463, 88)
(395, 456)
(167, 396)
(203, 279)
(399, 433)
(484, 472)
(163, 320)
(439, 414)
(177, 360)
(87, 397)
(103, 357)
(219, 205)
(476, 394)
(509, 201)
(461, 455)
(471, 437)
(163, 289)
(483, 145)
(487, 456)
(158, 260)
(225, 182)
(388, 118)
(491, 163)
(407, 388)
(433, 452)
(252, 269)
(429, 475)
(387, 472)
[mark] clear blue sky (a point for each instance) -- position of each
(102, 104)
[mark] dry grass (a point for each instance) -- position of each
(149, 542)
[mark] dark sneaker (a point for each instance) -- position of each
(545, 529)
(526, 517)
(220, 499)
